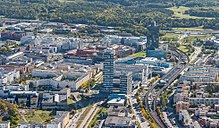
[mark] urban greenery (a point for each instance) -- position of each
(164, 100)
(139, 54)
(38, 116)
(100, 113)
(87, 85)
(9, 112)
(212, 89)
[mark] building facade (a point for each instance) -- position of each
(108, 70)
(126, 83)
(152, 37)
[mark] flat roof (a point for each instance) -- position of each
(116, 101)
(115, 120)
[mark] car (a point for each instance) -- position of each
(163, 81)
(173, 121)
(142, 120)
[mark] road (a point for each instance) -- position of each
(168, 78)
(167, 114)
(196, 53)
(181, 38)
(136, 110)
(167, 120)
(21, 112)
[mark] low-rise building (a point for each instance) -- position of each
(208, 122)
(200, 74)
(117, 100)
(8, 76)
(207, 101)
(3, 59)
(119, 122)
(59, 83)
(60, 121)
(5, 124)
(26, 98)
(55, 100)
(139, 72)
(185, 118)
(72, 76)
(181, 105)
(30, 125)
(5, 89)
(11, 35)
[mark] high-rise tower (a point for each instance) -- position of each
(108, 70)
(152, 37)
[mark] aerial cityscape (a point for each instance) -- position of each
(109, 64)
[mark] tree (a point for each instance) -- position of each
(3, 107)
(3, 49)
(152, 125)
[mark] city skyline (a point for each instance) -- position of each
(109, 64)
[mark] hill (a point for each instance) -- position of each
(130, 15)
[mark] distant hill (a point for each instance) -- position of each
(131, 15)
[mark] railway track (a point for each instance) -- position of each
(169, 78)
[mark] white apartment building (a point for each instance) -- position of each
(208, 101)
(7, 76)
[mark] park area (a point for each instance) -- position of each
(41, 116)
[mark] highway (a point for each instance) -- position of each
(183, 62)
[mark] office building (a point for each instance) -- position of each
(108, 70)
(126, 83)
(139, 72)
(152, 37)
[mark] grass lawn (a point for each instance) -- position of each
(139, 54)
(70, 101)
(192, 39)
(189, 29)
(155, 125)
(38, 116)
(183, 48)
(179, 12)
(170, 36)
(79, 110)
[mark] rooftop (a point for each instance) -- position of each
(60, 115)
(115, 120)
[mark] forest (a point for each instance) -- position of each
(130, 15)
(204, 12)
